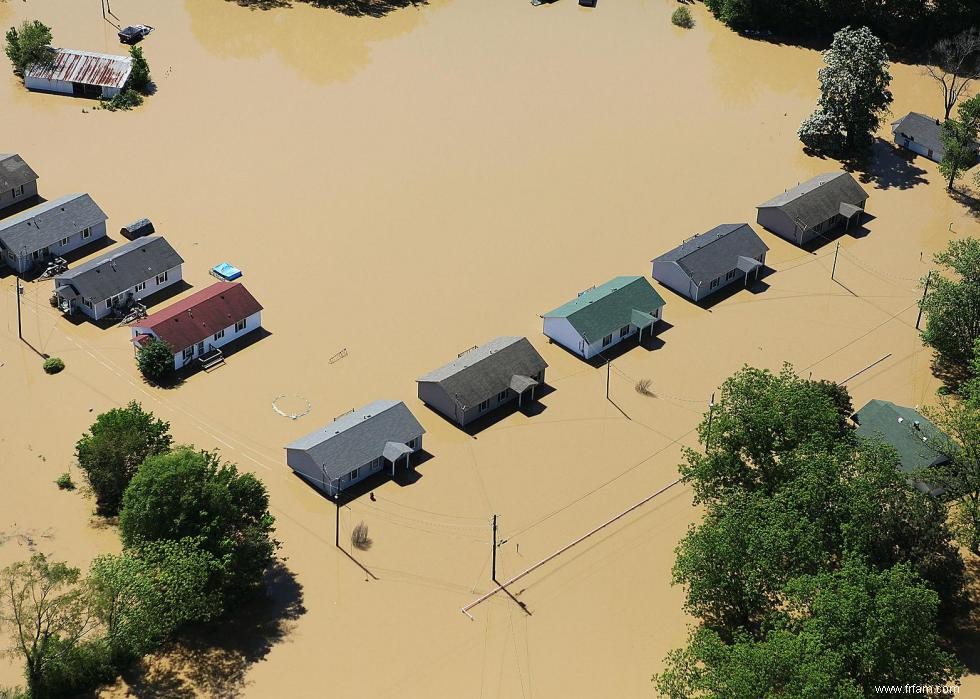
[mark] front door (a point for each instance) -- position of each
(200, 348)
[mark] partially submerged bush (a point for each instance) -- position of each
(124, 101)
(643, 387)
(359, 538)
(155, 360)
(64, 481)
(52, 365)
(682, 18)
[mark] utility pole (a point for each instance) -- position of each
(336, 501)
(924, 292)
(20, 332)
(711, 409)
(834, 268)
(493, 551)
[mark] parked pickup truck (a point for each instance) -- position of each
(134, 34)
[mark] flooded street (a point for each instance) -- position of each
(406, 188)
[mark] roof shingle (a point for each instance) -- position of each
(121, 269)
(45, 224)
(608, 307)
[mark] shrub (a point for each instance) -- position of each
(124, 101)
(52, 365)
(359, 538)
(682, 18)
(643, 388)
(116, 444)
(139, 77)
(155, 360)
(65, 482)
(30, 44)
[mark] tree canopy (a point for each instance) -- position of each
(854, 94)
(952, 308)
(116, 444)
(155, 360)
(189, 493)
(959, 139)
(27, 45)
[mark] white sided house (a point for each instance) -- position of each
(80, 73)
(197, 327)
(708, 262)
(51, 229)
(814, 208)
(18, 182)
(380, 436)
(111, 283)
(921, 134)
(605, 315)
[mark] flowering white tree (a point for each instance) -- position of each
(854, 93)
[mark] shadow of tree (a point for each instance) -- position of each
(969, 200)
(351, 8)
(965, 635)
(887, 167)
(212, 660)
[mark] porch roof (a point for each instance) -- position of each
(519, 383)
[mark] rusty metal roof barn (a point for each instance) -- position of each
(86, 67)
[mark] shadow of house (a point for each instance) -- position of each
(213, 659)
(504, 371)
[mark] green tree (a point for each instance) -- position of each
(143, 595)
(854, 93)
(46, 609)
(960, 421)
(760, 418)
(114, 447)
(139, 77)
(28, 45)
(959, 139)
(188, 493)
(952, 308)
(155, 360)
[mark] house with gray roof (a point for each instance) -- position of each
(605, 315)
(33, 236)
(814, 208)
(710, 261)
(920, 133)
(482, 379)
(18, 182)
(380, 436)
(113, 282)
(919, 443)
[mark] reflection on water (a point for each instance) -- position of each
(319, 44)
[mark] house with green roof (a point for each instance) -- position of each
(605, 315)
(919, 443)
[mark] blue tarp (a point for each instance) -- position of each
(226, 271)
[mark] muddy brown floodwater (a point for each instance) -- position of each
(406, 188)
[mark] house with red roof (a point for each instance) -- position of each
(197, 327)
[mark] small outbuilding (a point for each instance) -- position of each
(35, 235)
(137, 229)
(604, 316)
(919, 443)
(380, 436)
(80, 73)
(920, 133)
(18, 182)
(710, 261)
(197, 327)
(113, 282)
(503, 371)
(814, 208)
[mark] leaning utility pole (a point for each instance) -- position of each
(834, 268)
(924, 292)
(493, 551)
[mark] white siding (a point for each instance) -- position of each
(253, 322)
(672, 276)
(56, 249)
(10, 197)
(46, 85)
(562, 332)
(100, 310)
(915, 148)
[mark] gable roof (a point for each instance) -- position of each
(921, 128)
(903, 428)
(87, 67)
(608, 307)
(200, 315)
(355, 439)
(818, 199)
(714, 253)
(47, 223)
(121, 269)
(14, 172)
(484, 371)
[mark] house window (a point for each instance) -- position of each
(108, 303)
(220, 334)
(607, 340)
(762, 257)
(414, 443)
(731, 275)
(17, 191)
(86, 233)
(188, 353)
(484, 405)
(714, 283)
(87, 303)
(139, 287)
(240, 325)
(64, 241)
(502, 396)
(353, 474)
(624, 331)
(161, 278)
